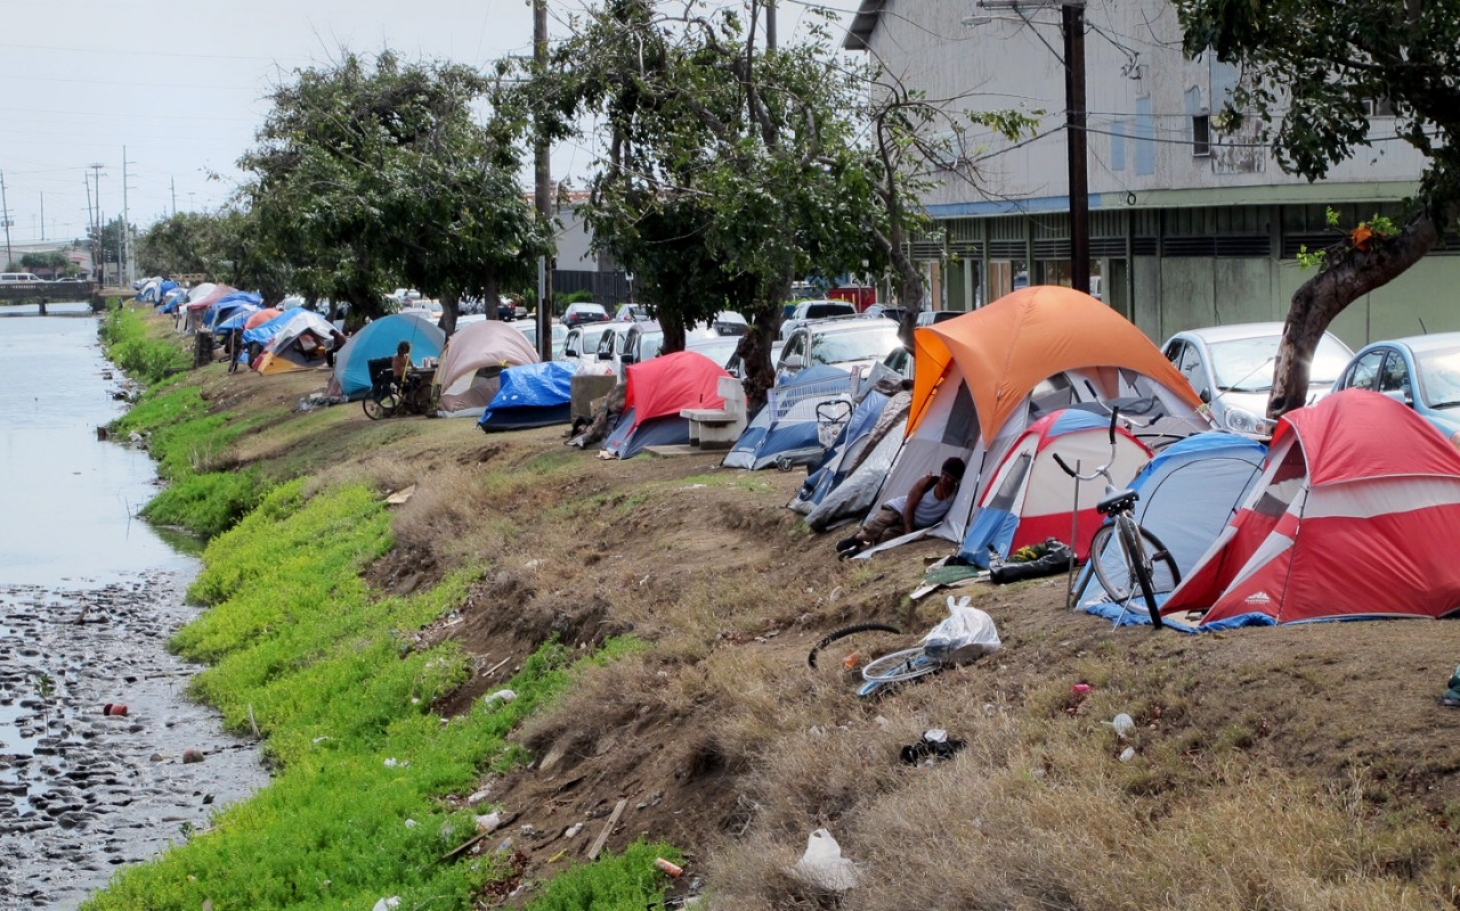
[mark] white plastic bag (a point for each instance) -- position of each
(967, 633)
(823, 865)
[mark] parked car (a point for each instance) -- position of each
(645, 340)
(1231, 368)
(933, 317)
(900, 360)
(629, 313)
(611, 346)
(579, 314)
(853, 345)
(529, 328)
(1422, 371)
(886, 311)
(815, 309)
(581, 342)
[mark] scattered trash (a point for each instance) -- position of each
(490, 822)
(674, 870)
(392, 763)
(573, 830)
(1080, 689)
(934, 747)
(411, 824)
(191, 756)
(114, 708)
(1451, 698)
(1127, 754)
(1122, 723)
(500, 697)
(823, 865)
(399, 497)
(852, 660)
(387, 904)
(966, 634)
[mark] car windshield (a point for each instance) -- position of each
(1247, 364)
(719, 350)
(866, 343)
(1439, 377)
(591, 337)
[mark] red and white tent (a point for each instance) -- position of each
(1356, 515)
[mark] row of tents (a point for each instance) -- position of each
(1348, 513)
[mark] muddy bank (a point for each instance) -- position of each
(83, 793)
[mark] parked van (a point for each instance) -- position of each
(7, 278)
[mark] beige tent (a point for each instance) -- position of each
(472, 362)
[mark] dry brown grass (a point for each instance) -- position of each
(1300, 768)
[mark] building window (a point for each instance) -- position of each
(1378, 107)
(1201, 136)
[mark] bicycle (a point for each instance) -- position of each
(1143, 558)
(388, 397)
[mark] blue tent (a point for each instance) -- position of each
(173, 299)
(237, 318)
(380, 339)
(785, 429)
(225, 306)
(531, 395)
(833, 468)
(1189, 491)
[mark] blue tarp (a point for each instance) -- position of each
(225, 306)
(787, 425)
(531, 395)
(172, 299)
(627, 441)
(263, 333)
(237, 318)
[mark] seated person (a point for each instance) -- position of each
(926, 503)
(311, 344)
(400, 365)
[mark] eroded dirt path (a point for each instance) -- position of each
(83, 793)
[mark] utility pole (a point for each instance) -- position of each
(5, 217)
(172, 181)
(770, 25)
(43, 215)
(125, 264)
(543, 190)
(98, 249)
(1072, 18)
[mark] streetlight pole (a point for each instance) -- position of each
(542, 189)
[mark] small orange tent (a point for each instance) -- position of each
(261, 317)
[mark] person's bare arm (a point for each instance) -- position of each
(914, 497)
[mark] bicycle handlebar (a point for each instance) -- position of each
(1067, 469)
(1114, 417)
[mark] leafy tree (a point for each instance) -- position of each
(728, 172)
(1309, 72)
(51, 262)
(367, 177)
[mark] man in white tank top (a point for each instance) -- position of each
(926, 503)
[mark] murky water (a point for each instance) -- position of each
(88, 597)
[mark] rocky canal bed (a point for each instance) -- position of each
(84, 791)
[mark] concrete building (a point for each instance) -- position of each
(1188, 226)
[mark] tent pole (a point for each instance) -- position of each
(1074, 530)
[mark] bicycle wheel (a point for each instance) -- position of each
(1140, 565)
(1115, 570)
(907, 664)
(373, 409)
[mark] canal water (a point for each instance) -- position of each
(89, 595)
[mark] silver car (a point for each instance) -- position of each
(1231, 369)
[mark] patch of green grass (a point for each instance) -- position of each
(207, 504)
(128, 345)
(332, 676)
(625, 882)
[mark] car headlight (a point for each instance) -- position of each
(1240, 420)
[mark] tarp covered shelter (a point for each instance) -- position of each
(1356, 515)
(1188, 494)
(472, 361)
(531, 395)
(786, 428)
(1030, 498)
(657, 390)
(377, 339)
(982, 378)
(286, 350)
(229, 304)
(260, 318)
(865, 429)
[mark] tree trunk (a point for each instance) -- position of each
(1344, 278)
(450, 309)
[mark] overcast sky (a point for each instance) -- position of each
(181, 84)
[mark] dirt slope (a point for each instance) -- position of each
(730, 591)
